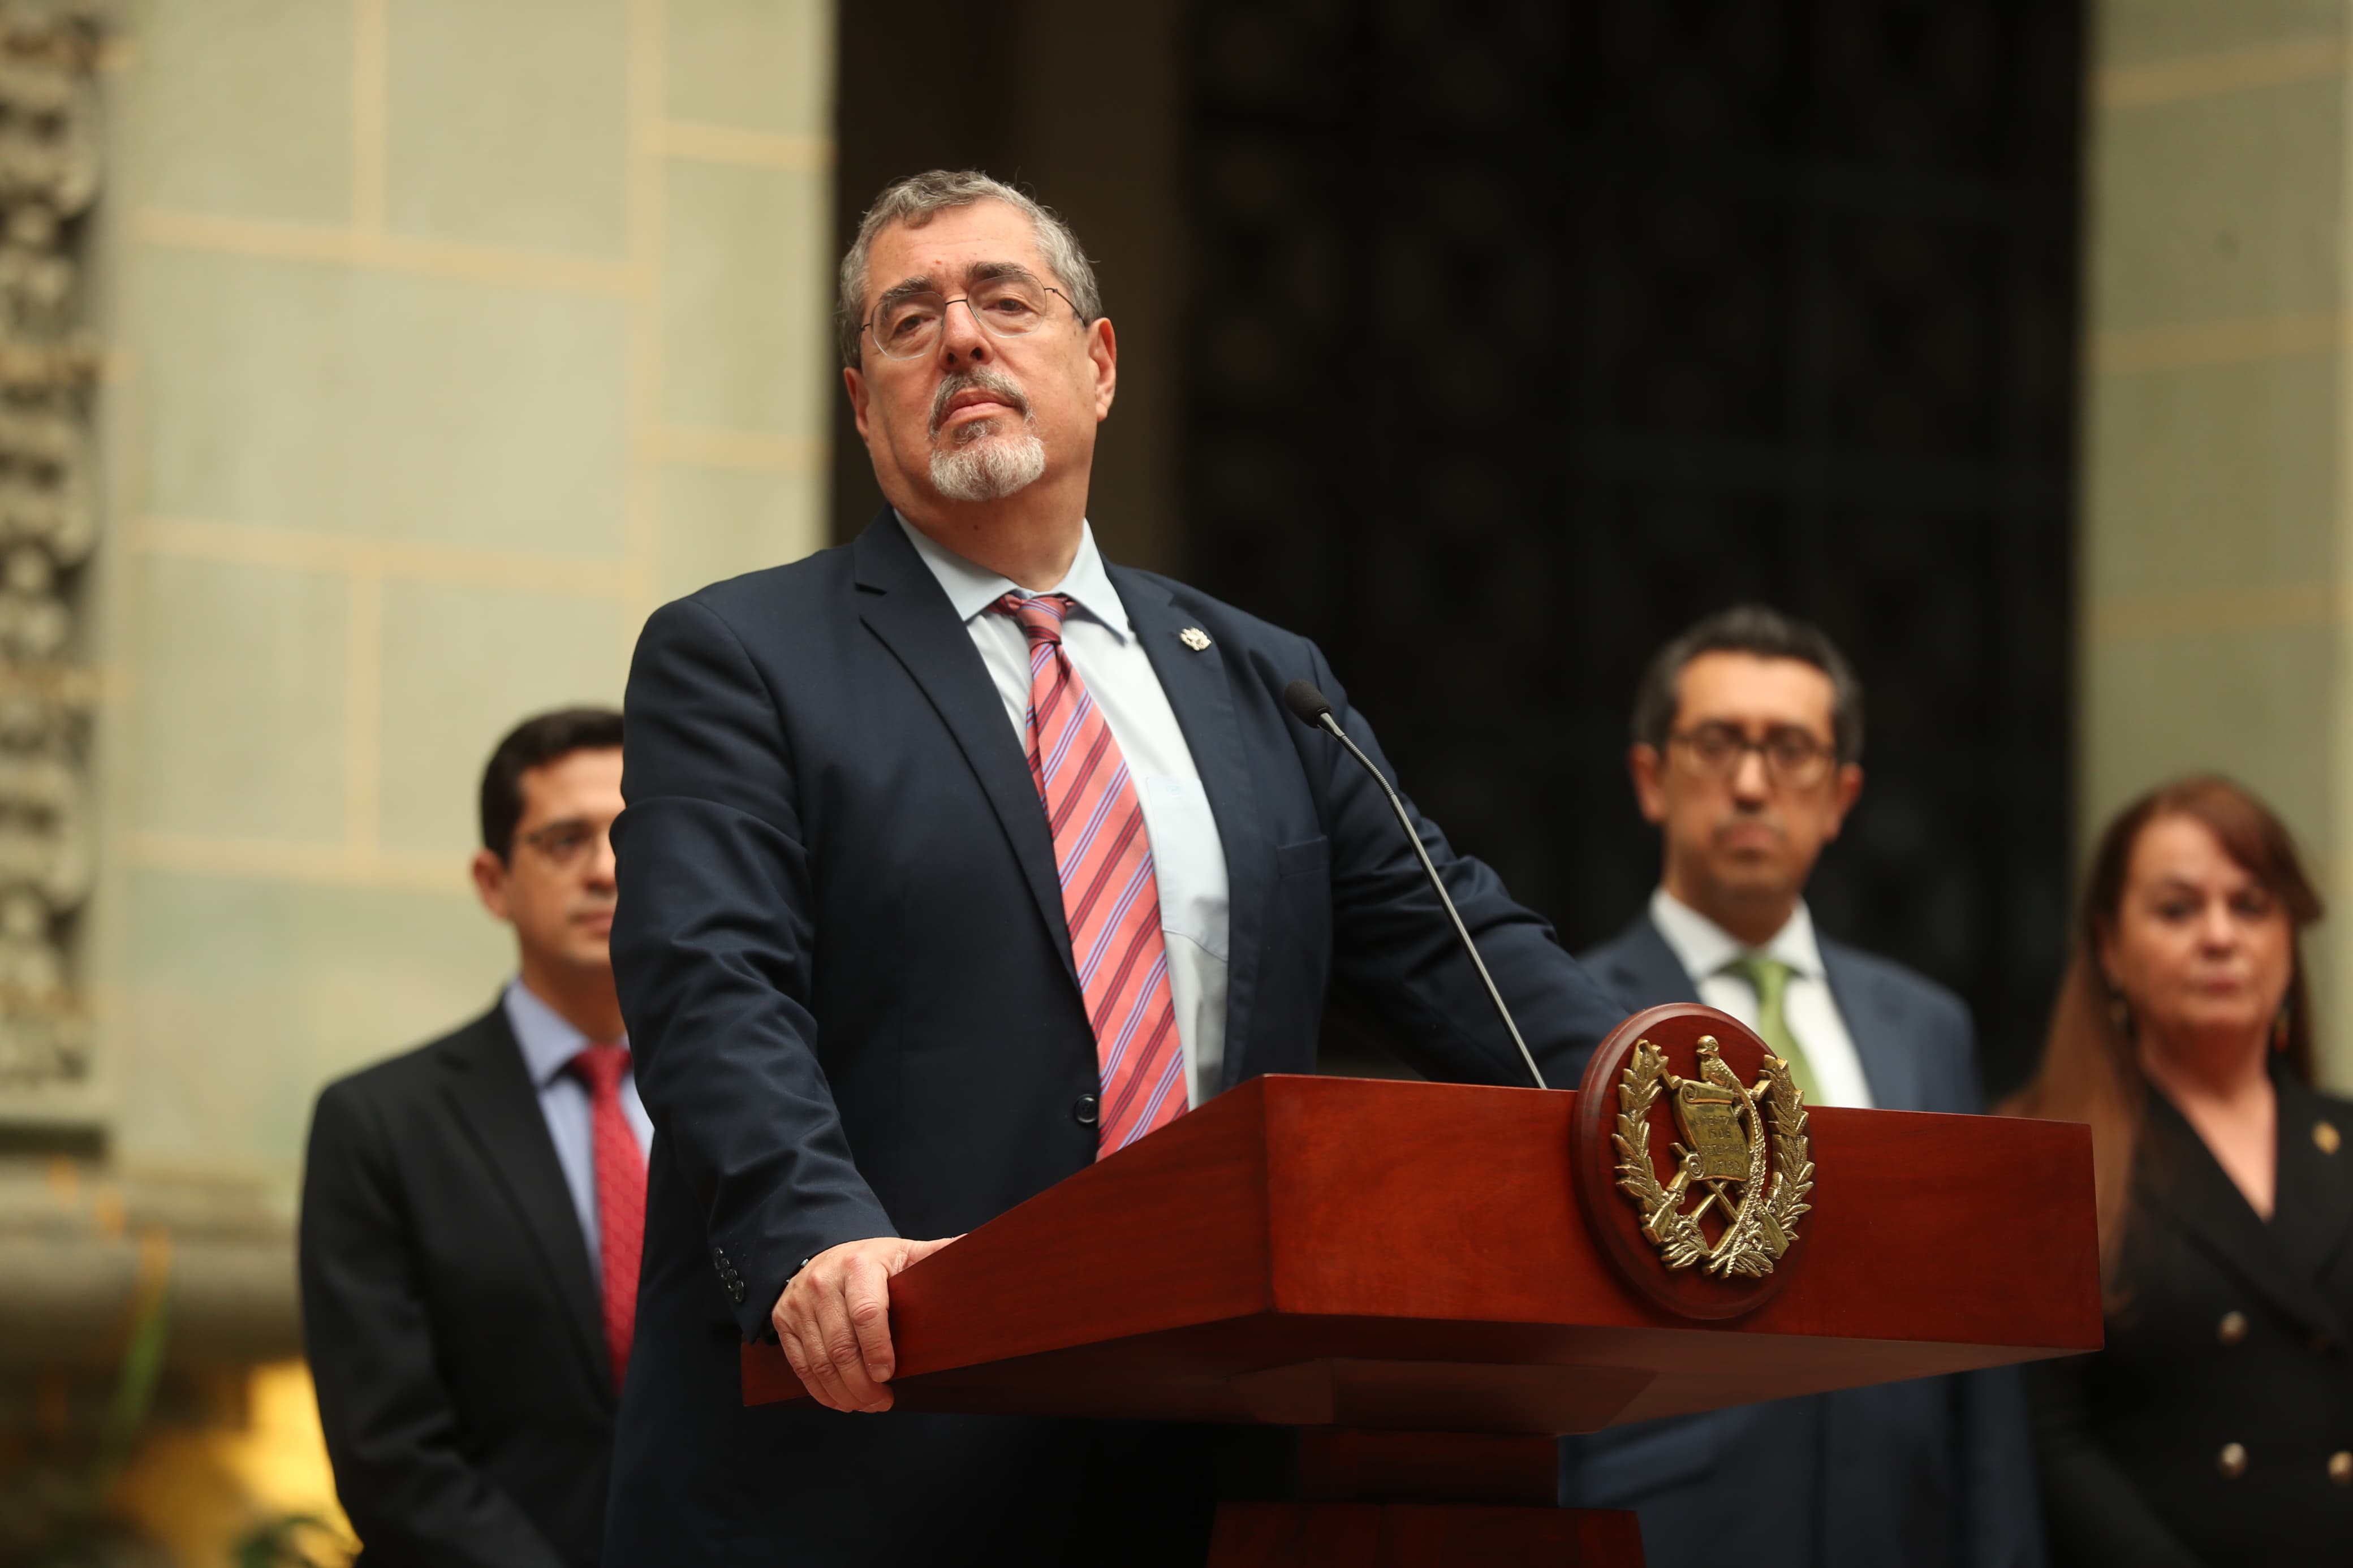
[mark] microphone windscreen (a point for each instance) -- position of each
(1306, 704)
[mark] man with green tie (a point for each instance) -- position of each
(1747, 736)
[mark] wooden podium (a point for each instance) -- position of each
(1402, 1270)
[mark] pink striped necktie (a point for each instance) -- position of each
(1109, 893)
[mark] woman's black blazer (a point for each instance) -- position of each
(2216, 1428)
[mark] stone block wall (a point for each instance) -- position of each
(448, 340)
(2218, 462)
(441, 341)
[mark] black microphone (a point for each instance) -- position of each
(1313, 709)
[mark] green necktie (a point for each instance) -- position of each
(1770, 977)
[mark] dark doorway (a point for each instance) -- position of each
(1522, 334)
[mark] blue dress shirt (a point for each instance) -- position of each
(548, 1043)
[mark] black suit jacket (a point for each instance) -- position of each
(451, 1313)
(843, 960)
(1935, 1471)
(2222, 1329)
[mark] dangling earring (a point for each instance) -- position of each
(2119, 1014)
(2279, 1029)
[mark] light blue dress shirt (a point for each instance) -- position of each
(1189, 854)
(548, 1043)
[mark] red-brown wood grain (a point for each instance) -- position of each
(1411, 1228)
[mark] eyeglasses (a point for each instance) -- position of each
(907, 326)
(564, 842)
(1793, 758)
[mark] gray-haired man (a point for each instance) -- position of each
(956, 859)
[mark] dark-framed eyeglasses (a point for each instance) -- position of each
(1794, 758)
(564, 843)
(907, 326)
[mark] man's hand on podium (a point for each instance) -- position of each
(834, 1321)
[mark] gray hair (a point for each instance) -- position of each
(916, 200)
(1763, 633)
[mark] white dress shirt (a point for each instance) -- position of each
(548, 1043)
(1807, 1006)
(1188, 856)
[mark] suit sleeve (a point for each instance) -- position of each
(390, 1427)
(2097, 1517)
(712, 948)
(1395, 955)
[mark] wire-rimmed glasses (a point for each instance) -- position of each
(907, 326)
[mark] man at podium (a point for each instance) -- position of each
(955, 859)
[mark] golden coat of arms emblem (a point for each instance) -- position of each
(1691, 1159)
(1743, 1160)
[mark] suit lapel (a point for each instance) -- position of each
(902, 604)
(1891, 1066)
(2314, 1213)
(496, 1103)
(1644, 970)
(1203, 700)
(2180, 1176)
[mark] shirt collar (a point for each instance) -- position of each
(972, 589)
(548, 1042)
(1706, 947)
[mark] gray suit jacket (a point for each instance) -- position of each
(1939, 1471)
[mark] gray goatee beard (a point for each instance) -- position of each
(989, 467)
(985, 462)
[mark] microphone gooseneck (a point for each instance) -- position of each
(1313, 709)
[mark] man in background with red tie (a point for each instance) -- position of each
(958, 858)
(473, 1210)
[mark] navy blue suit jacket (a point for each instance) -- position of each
(1937, 1471)
(847, 975)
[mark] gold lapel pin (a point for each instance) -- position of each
(2324, 1135)
(1194, 638)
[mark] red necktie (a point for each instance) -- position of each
(1109, 893)
(620, 1194)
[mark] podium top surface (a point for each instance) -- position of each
(1384, 1254)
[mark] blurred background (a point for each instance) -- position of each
(372, 368)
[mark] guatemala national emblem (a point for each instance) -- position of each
(1738, 1154)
